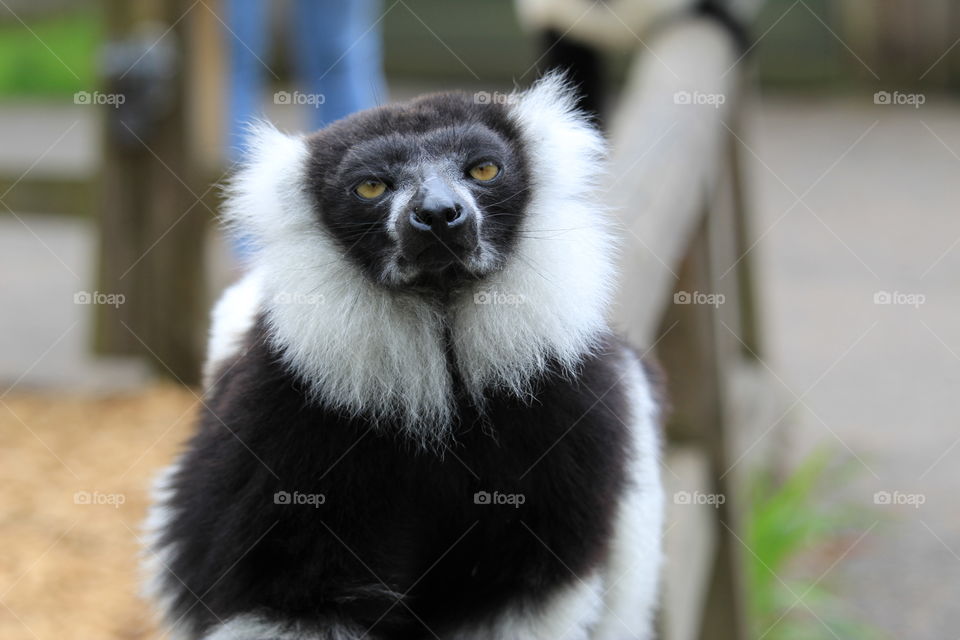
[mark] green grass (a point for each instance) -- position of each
(29, 65)
(787, 521)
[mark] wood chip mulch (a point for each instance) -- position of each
(75, 474)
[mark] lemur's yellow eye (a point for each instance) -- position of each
(485, 172)
(370, 189)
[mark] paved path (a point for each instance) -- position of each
(880, 382)
(44, 343)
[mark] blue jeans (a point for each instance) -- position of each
(337, 54)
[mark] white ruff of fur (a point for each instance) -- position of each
(370, 351)
(359, 347)
(549, 303)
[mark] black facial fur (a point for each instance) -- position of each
(399, 145)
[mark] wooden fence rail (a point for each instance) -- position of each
(687, 291)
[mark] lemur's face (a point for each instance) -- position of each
(428, 195)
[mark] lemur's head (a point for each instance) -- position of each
(427, 195)
(454, 228)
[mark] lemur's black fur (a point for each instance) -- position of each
(393, 517)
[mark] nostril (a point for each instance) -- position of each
(453, 213)
(436, 219)
(420, 219)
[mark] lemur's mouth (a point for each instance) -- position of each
(441, 256)
(437, 269)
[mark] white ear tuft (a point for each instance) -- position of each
(563, 140)
(562, 275)
(265, 197)
(360, 348)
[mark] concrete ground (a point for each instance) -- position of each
(879, 213)
(851, 200)
(45, 261)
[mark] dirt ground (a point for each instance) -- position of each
(74, 485)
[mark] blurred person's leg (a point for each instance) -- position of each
(247, 45)
(339, 56)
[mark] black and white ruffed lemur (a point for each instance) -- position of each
(417, 422)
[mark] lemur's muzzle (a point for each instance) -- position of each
(439, 228)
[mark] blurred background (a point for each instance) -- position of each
(786, 176)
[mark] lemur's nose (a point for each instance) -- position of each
(437, 209)
(440, 228)
(443, 215)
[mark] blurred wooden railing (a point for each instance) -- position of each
(687, 292)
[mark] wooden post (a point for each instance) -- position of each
(121, 218)
(692, 356)
(682, 209)
(151, 225)
(739, 206)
